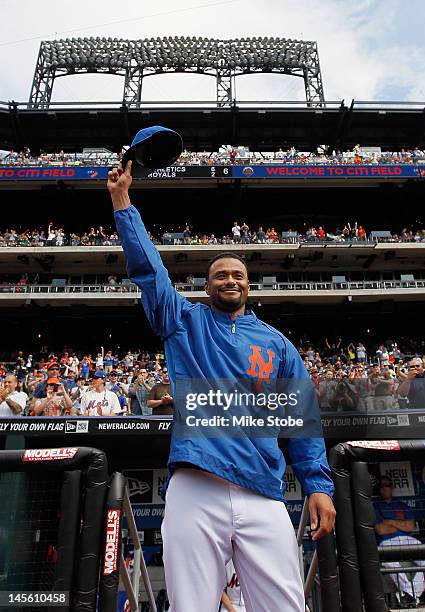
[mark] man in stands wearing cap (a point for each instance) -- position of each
(394, 525)
(100, 401)
(56, 402)
(53, 370)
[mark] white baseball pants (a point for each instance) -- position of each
(209, 520)
(414, 586)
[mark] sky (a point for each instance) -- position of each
(368, 49)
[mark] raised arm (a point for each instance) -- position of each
(163, 305)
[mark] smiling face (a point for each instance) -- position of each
(228, 285)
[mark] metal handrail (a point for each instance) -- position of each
(132, 587)
(296, 241)
(52, 289)
(390, 104)
(185, 287)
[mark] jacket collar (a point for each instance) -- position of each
(225, 317)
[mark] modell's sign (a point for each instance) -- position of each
(112, 540)
(49, 454)
(376, 444)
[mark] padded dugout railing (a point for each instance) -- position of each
(113, 565)
(358, 584)
(76, 545)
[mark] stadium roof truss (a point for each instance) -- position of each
(137, 59)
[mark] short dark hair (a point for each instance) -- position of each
(224, 255)
(385, 478)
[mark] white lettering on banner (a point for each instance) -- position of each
(293, 487)
(49, 454)
(376, 444)
(401, 475)
(148, 512)
(112, 540)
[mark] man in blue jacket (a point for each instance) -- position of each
(225, 495)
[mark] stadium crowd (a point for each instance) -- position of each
(226, 155)
(100, 385)
(350, 377)
(347, 377)
(239, 233)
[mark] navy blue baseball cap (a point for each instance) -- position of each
(153, 147)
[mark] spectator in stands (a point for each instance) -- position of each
(382, 356)
(394, 523)
(343, 398)
(326, 391)
(261, 235)
(53, 371)
(73, 364)
(100, 236)
(361, 354)
(112, 282)
(100, 401)
(245, 236)
(236, 232)
(187, 234)
(160, 400)
(129, 361)
(321, 234)
(413, 387)
(51, 236)
(118, 387)
(384, 391)
(272, 235)
(56, 403)
(114, 239)
(359, 384)
(85, 367)
(361, 233)
(108, 362)
(139, 393)
(77, 393)
(12, 401)
(99, 361)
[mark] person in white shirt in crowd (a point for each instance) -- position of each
(99, 360)
(100, 401)
(51, 236)
(77, 393)
(383, 356)
(112, 282)
(236, 232)
(60, 237)
(129, 360)
(361, 352)
(12, 402)
(73, 364)
(232, 598)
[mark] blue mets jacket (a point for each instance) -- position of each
(201, 343)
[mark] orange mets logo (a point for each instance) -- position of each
(260, 368)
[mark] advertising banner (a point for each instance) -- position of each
(281, 171)
(177, 173)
